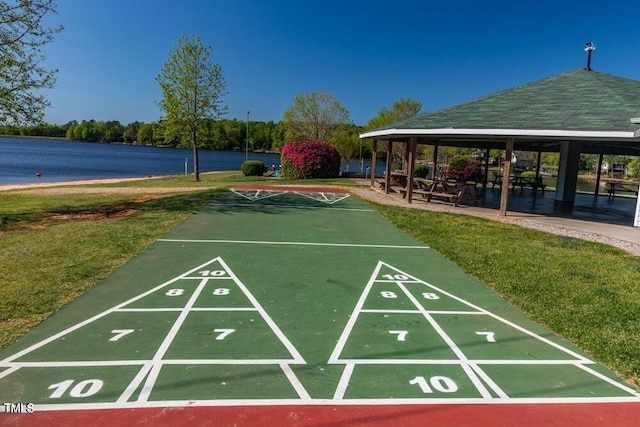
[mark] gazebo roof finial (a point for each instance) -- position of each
(589, 49)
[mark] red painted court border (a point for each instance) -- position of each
(290, 188)
(598, 414)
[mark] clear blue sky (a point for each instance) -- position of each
(367, 54)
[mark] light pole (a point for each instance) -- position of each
(246, 156)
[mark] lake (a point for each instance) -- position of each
(58, 160)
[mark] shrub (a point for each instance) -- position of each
(528, 174)
(309, 158)
(253, 168)
(421, 171)
(463, 168)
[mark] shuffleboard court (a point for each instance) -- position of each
(299, 298)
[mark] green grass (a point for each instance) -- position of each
(588, 293)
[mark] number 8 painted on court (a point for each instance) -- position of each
(174, 292)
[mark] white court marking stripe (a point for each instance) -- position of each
(258, 242)
(495, 387)
(344, 381)
(175, 328)
(299, 207)
(295, 382)
(447, 339)
(276, 330)
(337, 350)
(607, 379)
(495, 316)
(98, 316)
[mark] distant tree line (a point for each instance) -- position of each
(217, 135)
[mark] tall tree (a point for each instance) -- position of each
(314, 115)
(400, 110)
(192, 89)
(22, 37)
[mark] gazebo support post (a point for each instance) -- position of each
(504, 190)
(486, 171)
(435, 161)
(599, 174)
(413, 143)
(387, 171)
(374, 160)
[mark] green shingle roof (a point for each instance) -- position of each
(578, 100)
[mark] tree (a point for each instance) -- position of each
(402, 109)
(314, 115)
(192, 89)
(22, 36)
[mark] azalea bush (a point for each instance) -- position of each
(463, 168)
(309, 158)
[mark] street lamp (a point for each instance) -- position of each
(246, 156)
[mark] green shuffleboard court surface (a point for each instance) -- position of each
(283, 296)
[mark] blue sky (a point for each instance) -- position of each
(367, 54)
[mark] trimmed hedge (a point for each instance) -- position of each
(421, 171)
(253, 168)
(310, 158)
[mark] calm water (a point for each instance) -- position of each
(21, 159)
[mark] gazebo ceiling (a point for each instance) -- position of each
(587, 106)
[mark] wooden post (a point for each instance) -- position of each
(435, 161)
(413, 143)
(504, 193)
(599, 174)
(485, 172)
(387, 173)
(374, 160)
(406, 160)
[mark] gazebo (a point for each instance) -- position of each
(580, 111)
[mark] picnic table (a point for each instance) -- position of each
(455, 192)
(614, 187)
(523, 182)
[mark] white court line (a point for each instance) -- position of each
(382, 311)
(155, 362)
(452, 345)
(147, 310)
(298, 359)
(298, 207)
(607, 379)
(324, 199)
(495, 316)
(346, 332)
(460, 362)
(344, 381)
(297, 385)
(258, 242)
(98, 316)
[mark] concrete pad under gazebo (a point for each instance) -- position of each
(580, 111)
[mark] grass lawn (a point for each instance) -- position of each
(54, 247)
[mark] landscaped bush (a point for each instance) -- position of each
(253, 168)
(528, 174)
(421, 171)
(463, 168)
(309, 158)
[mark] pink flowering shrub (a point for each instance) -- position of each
(309, 158)
(462, 168)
